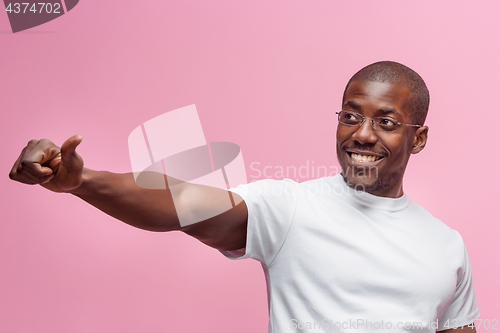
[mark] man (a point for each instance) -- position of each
(339, 253)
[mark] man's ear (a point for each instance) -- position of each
(420, 139)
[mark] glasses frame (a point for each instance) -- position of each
(373, 122)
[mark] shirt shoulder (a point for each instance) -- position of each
(271, 207)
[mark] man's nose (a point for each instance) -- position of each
(365, 134)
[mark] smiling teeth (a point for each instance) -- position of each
(363, 158)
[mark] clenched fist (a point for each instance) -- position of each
(42, 162)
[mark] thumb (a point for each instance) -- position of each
(69, 146)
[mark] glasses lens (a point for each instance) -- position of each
(385, 124)
(349, 118)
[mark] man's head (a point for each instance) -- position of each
(393, 72)
(375, 160)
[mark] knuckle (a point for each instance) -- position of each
(48, 143)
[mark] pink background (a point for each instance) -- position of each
(267, 75)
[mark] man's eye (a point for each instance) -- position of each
(387, 123)
(349, 118)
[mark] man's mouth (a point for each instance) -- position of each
(364, 157)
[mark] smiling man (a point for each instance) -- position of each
(342, 253)
(394, 100)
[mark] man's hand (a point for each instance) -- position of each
(42, 162)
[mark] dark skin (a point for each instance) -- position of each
(60, 169)
(383, 177)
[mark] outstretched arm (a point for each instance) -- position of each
(61, 170)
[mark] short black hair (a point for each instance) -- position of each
(394, 72)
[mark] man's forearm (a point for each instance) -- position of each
(119, 196)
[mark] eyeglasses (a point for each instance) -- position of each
(384, 124)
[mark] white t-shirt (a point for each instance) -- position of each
(338, 260)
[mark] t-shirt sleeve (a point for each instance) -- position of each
(271, 207)
(463, 309)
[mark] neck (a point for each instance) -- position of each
(390, 189)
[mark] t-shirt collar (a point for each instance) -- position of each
(367, 199)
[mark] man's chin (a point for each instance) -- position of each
(360, 183)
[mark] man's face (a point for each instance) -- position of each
(372, 160)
